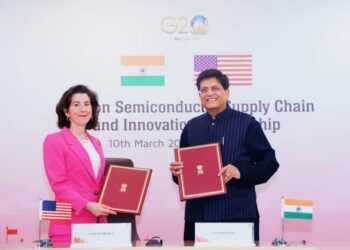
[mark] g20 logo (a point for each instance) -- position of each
(198, 25)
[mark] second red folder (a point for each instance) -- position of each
(199, 177)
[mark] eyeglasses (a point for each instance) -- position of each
(214, 89)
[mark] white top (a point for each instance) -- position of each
(93, 154)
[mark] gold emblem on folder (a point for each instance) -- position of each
(200, 169)
(123, 187)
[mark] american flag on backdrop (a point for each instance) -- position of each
(238, 68)
(54, 210)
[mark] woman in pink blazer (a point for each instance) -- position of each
(74, 162)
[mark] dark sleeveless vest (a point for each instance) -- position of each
(229, 129)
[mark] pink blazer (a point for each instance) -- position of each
(72, 179)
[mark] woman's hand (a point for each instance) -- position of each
(176, 168)
(99, 209)
(229, 172)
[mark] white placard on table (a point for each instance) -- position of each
(101, 235)
(227, 234)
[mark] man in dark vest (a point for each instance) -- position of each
(247, 157)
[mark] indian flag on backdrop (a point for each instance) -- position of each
(297, 209)
(142, 70)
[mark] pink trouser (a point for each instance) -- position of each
(61, 240)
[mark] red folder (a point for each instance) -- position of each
(199, 177)
(125, 188)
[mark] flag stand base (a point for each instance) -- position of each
(43, 243)
(279, 241)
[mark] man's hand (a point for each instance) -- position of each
(229, 172)
(176, 168)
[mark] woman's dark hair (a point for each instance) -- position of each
(209, 73)
(66, 100)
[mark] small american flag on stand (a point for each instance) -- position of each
(238, 68)
(54, 210)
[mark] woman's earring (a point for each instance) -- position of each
(67, 118)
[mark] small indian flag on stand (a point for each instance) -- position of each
(297, 209)
(142, 71)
